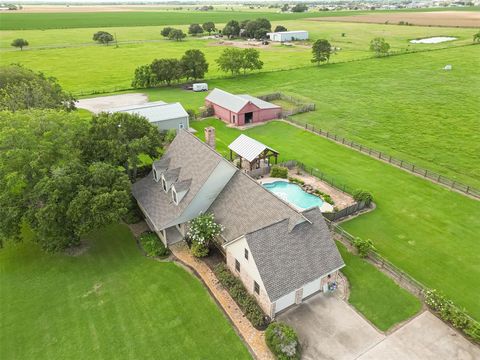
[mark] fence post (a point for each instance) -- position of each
(426, 173)
(306, 126)
(360, 147)
(390, 159)
(413, 167)
(468, 188)
(401, 163)
(453, 184)
(379, 155)
(343, 140)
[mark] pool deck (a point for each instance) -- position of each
(326, 207)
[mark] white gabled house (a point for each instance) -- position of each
(281, 255)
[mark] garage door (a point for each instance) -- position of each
(311, 288)
(285, 302)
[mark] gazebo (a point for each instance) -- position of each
(252, 151)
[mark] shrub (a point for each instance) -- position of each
(134, 214)
(152, 244)
(282, 340)
(199, 250)
(279, 172)
(363, 246)
(449, 312)
(237, 291)
(363, 196)
(170, 135)
(192, 114)
(296, 181)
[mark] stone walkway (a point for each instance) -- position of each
(253, 337)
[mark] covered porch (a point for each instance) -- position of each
(250, 154)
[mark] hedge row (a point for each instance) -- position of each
(449, 312)
(245, 301)
(279, 172)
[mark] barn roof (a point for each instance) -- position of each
(248, 148)
(155, 111)
(236, 103)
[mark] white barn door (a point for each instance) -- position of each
(285, 302)
(311, 288)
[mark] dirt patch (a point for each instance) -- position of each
(78, 250)
(241, 44)
(434, 18)
(104, 103)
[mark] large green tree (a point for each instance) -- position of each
(194, 64)
(231, 29)
(251, 60)
(46, 186)
(177, 35)
(166, 70)
(144, 77)
(119, 139)
(195, 29)
(321, 51)
(19, 43)
(103, 37)
(209, 27)
(21, 88)
(231, 60)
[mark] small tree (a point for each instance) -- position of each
(195, 29)
(363, 196)
(231, 60)
(209, 27)
(379, 46)
(177, 35)
(363, 246)
(476, 37)
(279, 28)
(19, 43)
(194, 65)
(103, 37)
(251, 60)
(202, 231)
(321, 51)
(166, 31)
(300, 8)
(285, 8)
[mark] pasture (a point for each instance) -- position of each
(416, 224)
(108, 303)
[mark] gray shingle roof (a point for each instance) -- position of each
(195, 162)
(288, 260)
(244, 206)
(236, 103)
(262, 104)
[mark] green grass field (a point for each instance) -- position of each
(375, 295)
(109, 303)
(425, 229)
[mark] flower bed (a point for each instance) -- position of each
(245, 301)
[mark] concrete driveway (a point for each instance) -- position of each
(103, 103)
(329, 328)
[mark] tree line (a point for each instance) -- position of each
(62, 175)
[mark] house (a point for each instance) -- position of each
(241, 109)
(164, 116)
(281, 255)
(283, 36)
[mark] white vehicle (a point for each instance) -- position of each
(200, 87)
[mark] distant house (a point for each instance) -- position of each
(164, 116)
(283, 36)
(281, 255)
(241, 109)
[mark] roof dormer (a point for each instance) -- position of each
(179, 190)
(159, 167)
(169, 177)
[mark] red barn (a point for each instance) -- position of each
(241, 109)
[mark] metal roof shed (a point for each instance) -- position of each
(252, 151)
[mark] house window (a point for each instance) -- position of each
(174, 196)
(256, 288)
(164, 185)
(246, 254)
(237, 265)
(155, 177)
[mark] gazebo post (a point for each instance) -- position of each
(231, 155)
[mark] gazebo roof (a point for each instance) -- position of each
(248, 148)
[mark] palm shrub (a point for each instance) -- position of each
(282, 340)
(202, 231)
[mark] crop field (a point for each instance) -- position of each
(108, 303)
(425, 229)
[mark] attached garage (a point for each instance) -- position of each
(311, 288)
(285, 302)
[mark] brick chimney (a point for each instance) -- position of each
(210, 136)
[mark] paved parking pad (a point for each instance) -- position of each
(329, 328)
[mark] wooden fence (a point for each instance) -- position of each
(350, 210)
(300, 107)
(255, 173)
(415, 169)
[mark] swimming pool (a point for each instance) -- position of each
(293, 194)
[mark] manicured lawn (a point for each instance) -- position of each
(109, 303)
(375, 295)
(425, 229)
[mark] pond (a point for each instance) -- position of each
(433, 40)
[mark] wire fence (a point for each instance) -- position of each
(408, 166)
